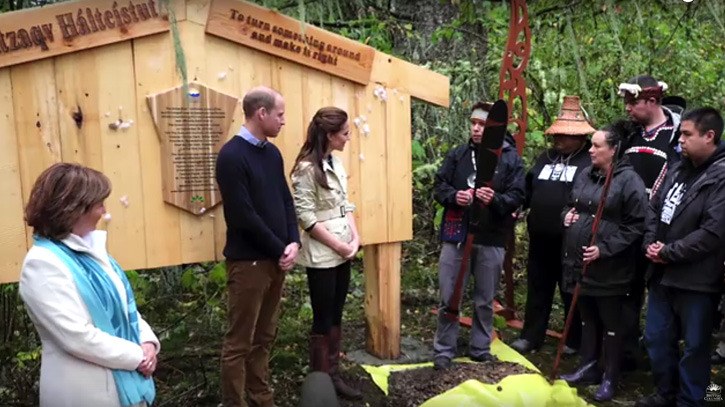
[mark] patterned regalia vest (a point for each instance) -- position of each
(650, 151)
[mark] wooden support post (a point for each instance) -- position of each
(382, 299)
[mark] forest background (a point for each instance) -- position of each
(579, 47)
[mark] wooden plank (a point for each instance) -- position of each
(412, 79)
(317, 92)
(155, 69)
(282, 36)
(382, 299)
(36, 124)
(400, 167)
(197, 233)
(287, 79)
(113, 64)
(343, 96)
(76, 76)
(224, 73)
(373, 152)
(73, 26)
(13, 243)
(197, 11)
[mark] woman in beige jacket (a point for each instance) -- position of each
(330, 237)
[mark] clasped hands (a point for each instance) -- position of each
(148, 364)
(465, 197)
(348, 250)
(287, 261)
(653, 252)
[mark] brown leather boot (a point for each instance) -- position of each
(319, 357)
(342, 389)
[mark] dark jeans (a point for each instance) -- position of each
(674, 314)
(544, 274)
(328, 292)
(254, 291)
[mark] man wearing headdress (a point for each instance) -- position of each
(548, 185)
(454, 189)
(650, 152)
(656, 144)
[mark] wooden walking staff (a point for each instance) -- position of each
(488, 152)
(577, 288)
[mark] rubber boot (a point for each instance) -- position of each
(343, 390)
(587, 373)
(612, 347)
(319, 356)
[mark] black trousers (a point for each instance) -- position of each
(328, 292)
(602, 331)
(544, 274)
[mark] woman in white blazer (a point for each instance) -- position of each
(96, 348)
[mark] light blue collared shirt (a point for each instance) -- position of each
(246, 135)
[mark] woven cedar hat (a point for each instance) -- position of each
(572, 119)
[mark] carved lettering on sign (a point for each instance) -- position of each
(32, 34)
(271, 32)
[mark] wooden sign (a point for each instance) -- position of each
(279, 35)
(28, 35)
(192, 126)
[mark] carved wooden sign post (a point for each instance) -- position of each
(192, 126)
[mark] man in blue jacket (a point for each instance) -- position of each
(262, 244)
(684, 240)
(454, 189)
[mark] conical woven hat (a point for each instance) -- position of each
(572, 119)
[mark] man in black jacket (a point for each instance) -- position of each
(548, 185)
(651, 151)
(684, 242)
(453, 189)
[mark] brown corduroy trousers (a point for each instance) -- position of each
(254, 290)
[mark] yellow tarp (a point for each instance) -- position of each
(524, 390)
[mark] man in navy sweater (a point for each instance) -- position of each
(262, 244)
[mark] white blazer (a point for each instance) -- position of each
(77, 357)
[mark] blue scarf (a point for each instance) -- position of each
(101, 297)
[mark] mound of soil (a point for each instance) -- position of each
(410, 388)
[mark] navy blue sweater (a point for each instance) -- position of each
(258, 207)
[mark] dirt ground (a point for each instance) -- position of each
(411, 388)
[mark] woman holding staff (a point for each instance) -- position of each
(610, 270)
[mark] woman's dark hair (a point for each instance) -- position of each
(327, 120)
(619, 135)
(61, 195)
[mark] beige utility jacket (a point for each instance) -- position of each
(328, 207)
